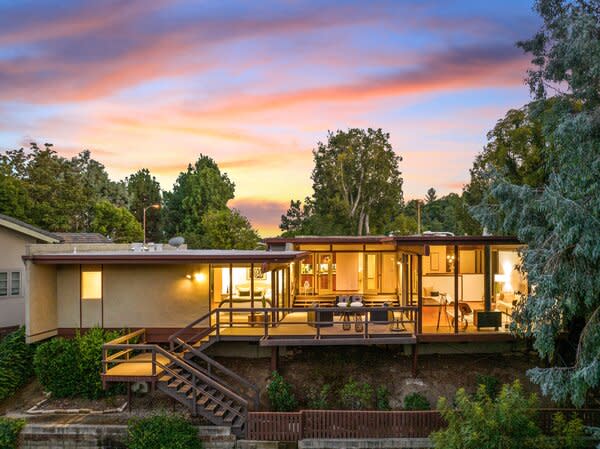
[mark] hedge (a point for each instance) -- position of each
(15, 362)
(68, 368)
(162, 432)
(10, 430)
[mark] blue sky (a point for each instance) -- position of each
(256, 84)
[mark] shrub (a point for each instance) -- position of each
(15, 362)
(383, 398)
(491, 384)
(68, 368)
(509, 422)
(356, 396)
(280, 394)
(9, 432)
(416, 401)
(319, 400)
(162, 432)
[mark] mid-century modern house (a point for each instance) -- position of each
(15, 235)
(301, 291)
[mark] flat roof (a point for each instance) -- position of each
(168, 256)
(400, 239)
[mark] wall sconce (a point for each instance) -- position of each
(196, 276)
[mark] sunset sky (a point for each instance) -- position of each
(255, 84)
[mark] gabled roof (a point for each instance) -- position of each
(27, 229)
(82, 237)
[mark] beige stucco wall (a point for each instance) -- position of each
(41, 307)
(135, 296)
(12, 248)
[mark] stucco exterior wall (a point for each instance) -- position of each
(156, 296)
(41, 307)
(12, 248)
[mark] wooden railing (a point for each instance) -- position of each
(348, 424)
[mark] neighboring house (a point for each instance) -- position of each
(15, 235)
(304, 291)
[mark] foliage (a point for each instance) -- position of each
(559, 219)
(162, 432)
(144, 190)
(117, 223)
(416, 401)
(491, 384)
(382, 398)
(280, 394)
(10, 430)
(509, 422)
(15, 362)
(357, 187)
(319, 399)
(356, 396)
(227, 229)
(72, 367)
(202, 187)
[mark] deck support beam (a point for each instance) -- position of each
(415, 359)
(274, 358)
(129, 397)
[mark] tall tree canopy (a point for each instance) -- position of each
(144, 190)
(115, 222)
(559, 218)
(357, 185)
(228, 229)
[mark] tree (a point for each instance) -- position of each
(509, 422)
(115, 222)
(96, 181)
(431, 196)
(227, 229)
(202, 187)
(144, 190)
(356, 182)
(559, 219)
(298, 219)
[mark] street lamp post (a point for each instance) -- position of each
(152, 206)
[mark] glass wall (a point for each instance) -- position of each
(439, 289)
(509, 283)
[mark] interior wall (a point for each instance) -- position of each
(347, 271)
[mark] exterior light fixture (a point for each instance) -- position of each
(188, 276)
(199, 277)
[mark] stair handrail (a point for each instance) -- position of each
(220, 367)
(213, 383)
(190, 326)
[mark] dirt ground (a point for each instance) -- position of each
(309, 369)
(438, 375)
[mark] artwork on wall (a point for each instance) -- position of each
(258, 274)
(434, 261)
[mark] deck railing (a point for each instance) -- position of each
(351, 424)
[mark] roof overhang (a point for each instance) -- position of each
(402, 240)
(269, 257)
(28, 231)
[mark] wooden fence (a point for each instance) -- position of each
(344, 424)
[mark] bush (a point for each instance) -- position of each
(9, 432)
(509, 422)
(280, 394)
(319, 400)
(356, 396)
(15, 362)
(416, 401)
(162, 432)
(383, 398)
(491, 384)
(68, 368)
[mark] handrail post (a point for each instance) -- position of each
(194, 394)
(266, 325)
(153, 362)
(218, 324)
(366, 321)
(316, 323)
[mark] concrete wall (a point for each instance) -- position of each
(41, 304)
(12, 248)
(134, 296)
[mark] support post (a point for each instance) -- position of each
(415, 357)
(129, 397)
(456, 263)
(487, 269)
(274, 358)
(419, 294)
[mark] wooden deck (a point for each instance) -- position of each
(138, 366)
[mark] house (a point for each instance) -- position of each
(409, 291)
(15, 235)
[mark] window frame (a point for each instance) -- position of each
(9, 283)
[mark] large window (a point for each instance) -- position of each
(10, 283)
(91, 283)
